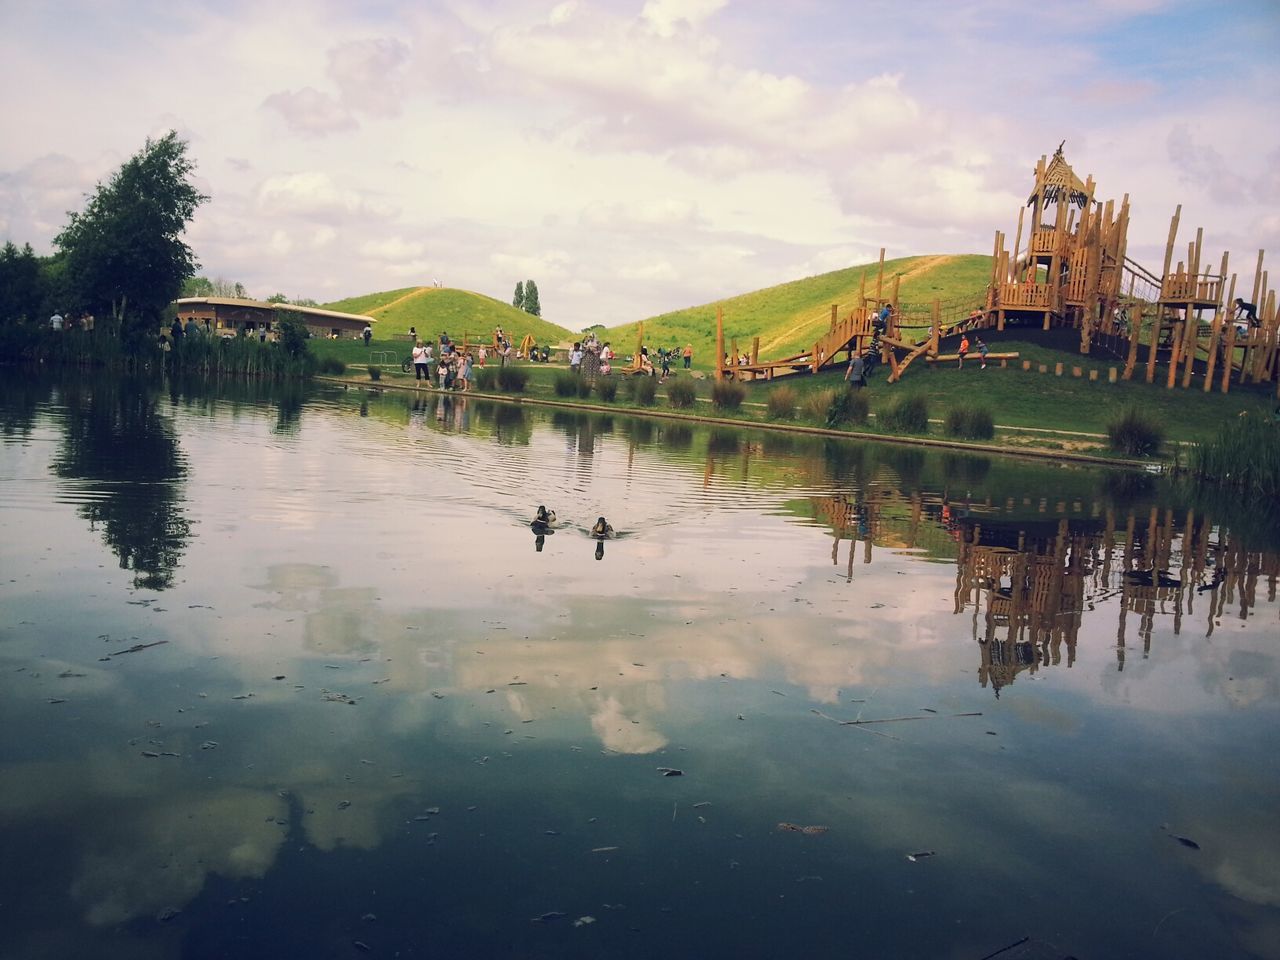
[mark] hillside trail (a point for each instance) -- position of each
(776, 342)
(417, 292)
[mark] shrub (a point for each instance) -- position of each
(512, 379)
(1135, 434)
(972, 423)
(782, 403)
(909, 414)
(566, 384)
(375, 372)
(1245, 454)
(584, 388)
(728, 394)
(643, 390)
(848, 406)
(681, 392)
(486, 378)
(607, 388)
(817, 404)
(333, 365)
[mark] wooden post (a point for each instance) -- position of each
(1017, 237)
(1228, 354)
(1154, 340)
(880, 277)
(1135, 334)
(755, 350)
(834, 311)
(1218, 321)
(1168, 250)
(936, 327)
(719, 343)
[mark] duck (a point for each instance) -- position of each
(545, 516)
(602, 530)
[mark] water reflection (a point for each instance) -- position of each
(116, 443)
(373, 699)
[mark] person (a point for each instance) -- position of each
(413, 333)
(421, 369)
(982, 351)
(664, 357)
(964, 349)
(688, 355)
(446, 347)
(498, 337)
(885, 312)
(55, 321)
(175, 331)
(1246, 311)
(262, 333)
(546, 354)
(483, 355)
(367, 334)
(974, 319)
(575, 358)
(606, 353)
(208, 328)
(467, 376)
(856, 375)
(446, 372)
(646, 365)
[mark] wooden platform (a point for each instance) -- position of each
(972, 355)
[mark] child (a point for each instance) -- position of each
(964, 349)
(982, 351)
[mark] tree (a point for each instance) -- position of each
(531, 304)
(22, 290)
(124, 252)
(518, 300)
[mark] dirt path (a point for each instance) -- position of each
(775, 342)
(398, 300)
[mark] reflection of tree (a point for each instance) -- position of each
(117, 442)
(19, 400)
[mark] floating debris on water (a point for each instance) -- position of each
(913, 857)
(584, 921)
(548, 917)
(139, 646)
(332, 696)
(603, 849)
(343, 804)
(670, 772)
(813, 830)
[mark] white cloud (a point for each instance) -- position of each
(666, 16)
(310, 112)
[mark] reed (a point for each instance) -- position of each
(909, 414)
(970, 423)
(728, 394)
(1135, 434)
(681, 393)
(1245, 455)
(781, 404)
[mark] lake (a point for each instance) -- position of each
(284, 672)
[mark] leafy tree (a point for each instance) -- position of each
(124, 252)
(197, 287)
(518, 300)
(22, 288)
(277, 298)
(531, 304)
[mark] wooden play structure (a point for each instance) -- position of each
(1073, 272)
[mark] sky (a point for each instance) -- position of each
(637, 157)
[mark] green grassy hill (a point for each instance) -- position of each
(789, 317)
(431, 310)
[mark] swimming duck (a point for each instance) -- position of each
(545, 516)
(602, 530)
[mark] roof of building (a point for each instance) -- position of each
(1060, 181)
(266, 305)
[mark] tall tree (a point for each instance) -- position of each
(531, 304)
(124, 252)
(518, 300)
(21, 288)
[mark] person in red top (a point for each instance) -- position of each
(964, 348)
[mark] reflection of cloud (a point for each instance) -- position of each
(622, 733)
(161, 855)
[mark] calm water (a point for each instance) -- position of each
(287, 674)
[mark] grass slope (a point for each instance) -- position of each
(790, 316)
(432, 310)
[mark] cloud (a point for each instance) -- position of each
(310, 193)
(664, 17)
(310, 112)
(369, 75)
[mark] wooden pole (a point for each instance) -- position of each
(880, 277)
(755, 350)
(719, 343)
(1135, 334)
(1168, 250)
(1214, 342)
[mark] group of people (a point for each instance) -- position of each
(453, 370)
(83, 322)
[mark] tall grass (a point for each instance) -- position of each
(566, 384)
(816, 405)
(584, 387)
(1244, 455)
(607, 388)
(781, 404)
(486, 378)
(1134, 433)
(848, 406)
(681, 393)
(728, 394)
(970, 423)
(512, 379)
(908, 414)
(644, 390)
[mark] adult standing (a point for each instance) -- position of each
(55, 322)
(688, 355)
(175, 331)
(856, 375)
(367, 334)
(192, 329)
(421, 369)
